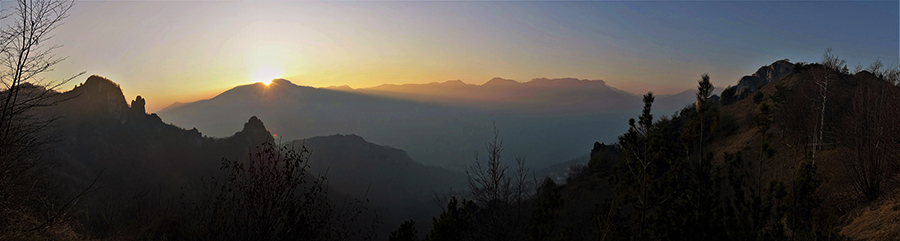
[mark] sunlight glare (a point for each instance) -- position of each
(265, 75)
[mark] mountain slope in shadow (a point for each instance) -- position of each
(395, 184)
(98, 131)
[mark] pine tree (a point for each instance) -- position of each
(406, 232)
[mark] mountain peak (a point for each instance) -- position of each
(255, 132)
(497, 81)
(280, 81)
(750, 83)
(567, 80)
(101, 95)
(455, 82)
(96, 81)
(340, 88)
(254, 124)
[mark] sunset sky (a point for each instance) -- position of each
(189, 50)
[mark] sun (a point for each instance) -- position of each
(265, 75)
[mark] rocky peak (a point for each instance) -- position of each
(750, 83)
(774, 71)
(98, 94)
(254, 124)
(138, 104)
(255, 131)
(99, 83)
(603, 148)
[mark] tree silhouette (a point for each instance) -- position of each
(454, 223)
(406, 232)
(870, 132)
(25, 55)
(500, 194)
(274, 196)
(549, 205)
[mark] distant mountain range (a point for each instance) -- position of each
(444, 124)
(538, 96)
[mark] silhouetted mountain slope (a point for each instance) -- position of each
(172, 106)
(97, 130)
(400, 187)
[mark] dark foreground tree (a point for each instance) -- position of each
(275, 196)
(500, 193)
(454, 223)
(406, 232)
(549, 205)
(870, 131)
(24, 55)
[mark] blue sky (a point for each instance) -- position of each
(184, 51)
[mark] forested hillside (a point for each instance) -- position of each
(807, 156)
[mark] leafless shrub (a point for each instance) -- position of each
(275, 196)
(500, 192)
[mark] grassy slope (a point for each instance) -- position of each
(878, 220)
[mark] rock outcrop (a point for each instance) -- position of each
(138, 105)
(763, 76)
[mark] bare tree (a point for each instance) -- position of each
(274, 195)
(24, 56)
(500, 192)
(831, 67)
(871, 132)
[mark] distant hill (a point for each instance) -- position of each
(400, 187)
(172, 106)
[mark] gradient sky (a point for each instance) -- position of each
(189, 50)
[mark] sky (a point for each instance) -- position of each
(168, 51)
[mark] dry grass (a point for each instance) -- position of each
(878, 221)
(59, 231)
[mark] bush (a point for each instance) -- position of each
(274, 196)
